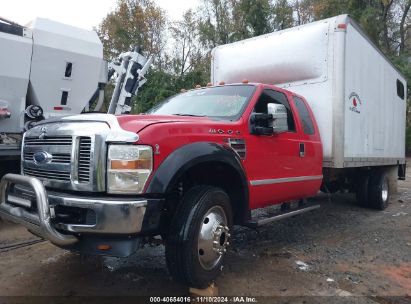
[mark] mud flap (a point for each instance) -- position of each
(402, 171)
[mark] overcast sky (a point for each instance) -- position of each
(81, 13)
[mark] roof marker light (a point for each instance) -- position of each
(221, 83)
(104, 247)
(209, 84)
(245, 81)
(198, 86)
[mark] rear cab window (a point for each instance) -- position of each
(305, 117)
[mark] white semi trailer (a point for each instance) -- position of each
(358, 97)
(49, 69)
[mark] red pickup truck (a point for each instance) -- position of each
(188, 170)
(203, 160)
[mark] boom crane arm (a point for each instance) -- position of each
(130, 69)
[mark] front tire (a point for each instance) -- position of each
(199, 235)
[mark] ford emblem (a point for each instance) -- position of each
(42, 157)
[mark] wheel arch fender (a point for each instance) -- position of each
(190, 156)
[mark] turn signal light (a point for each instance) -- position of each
(130, 164)
(342, 26)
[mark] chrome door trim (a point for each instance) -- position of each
(284, 180)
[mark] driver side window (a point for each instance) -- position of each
(275, 97)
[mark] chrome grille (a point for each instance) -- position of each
(58, 158)
(59, 167)
(71, 154)
(84, 159)
(49, 174)
(49, 141)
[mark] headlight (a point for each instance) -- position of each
(128, 168)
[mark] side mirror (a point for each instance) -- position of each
(279, 113)
(261, 124)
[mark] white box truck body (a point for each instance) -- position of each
(358, 97)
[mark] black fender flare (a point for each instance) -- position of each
(190, 155)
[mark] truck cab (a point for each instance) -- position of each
(188, 170)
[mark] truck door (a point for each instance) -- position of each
(310, 148)
(274, 160)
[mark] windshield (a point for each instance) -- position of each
(227, 102)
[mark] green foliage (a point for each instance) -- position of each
(256, 15)
(133, 22)
(163, 85)
(283, 15)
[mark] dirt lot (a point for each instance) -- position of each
(341, 250)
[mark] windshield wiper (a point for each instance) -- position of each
(179, 114)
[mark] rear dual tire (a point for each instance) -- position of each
(373, 190)
(379, 191)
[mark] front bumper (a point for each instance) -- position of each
(24, 200)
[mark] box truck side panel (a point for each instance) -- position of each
(374, 112)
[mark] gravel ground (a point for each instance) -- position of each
(338, 253)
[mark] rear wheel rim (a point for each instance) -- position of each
(213, 238)
(384, 191)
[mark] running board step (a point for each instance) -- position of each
(285, 214)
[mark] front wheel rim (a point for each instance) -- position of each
(213, 237)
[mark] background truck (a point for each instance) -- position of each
(207, 159)
(49, 69)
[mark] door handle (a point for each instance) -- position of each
(302, 149)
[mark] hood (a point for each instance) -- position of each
(136, 123)
(131, 123)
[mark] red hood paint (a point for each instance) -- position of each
(136, 123)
